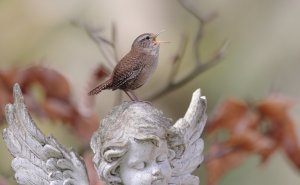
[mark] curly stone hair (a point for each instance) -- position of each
(139, 121)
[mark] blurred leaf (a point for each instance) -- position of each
(281, 125)
(2, 181)
(246, 136)
(56, 103)
(85, 126)
(101, 72)
(53, 83)
(219, 166)
(93, 176)
(57, 109)
(229, 114)
(5, 97)
(252, 142)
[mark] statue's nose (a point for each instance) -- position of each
(156, 171)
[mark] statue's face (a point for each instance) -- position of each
(146, 164)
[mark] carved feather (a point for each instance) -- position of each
(185, 140)
(38, 160)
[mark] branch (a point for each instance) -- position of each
(199, 67)
(106, 47)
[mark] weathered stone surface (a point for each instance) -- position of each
(134, 145)
(173, 151)
(38, 160)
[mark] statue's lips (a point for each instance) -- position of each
(157, 181)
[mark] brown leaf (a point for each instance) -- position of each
(93, 177)
(101, 72)
(8, 78)
(86, 126)
(58, 109)
(5, 98)
(229, 115)
(222, 157)
(56, 104)
(53, 82)
(3, 181)
(217, 167)
(281, 125)
(252, 142)
(275, 107)
(86, 102)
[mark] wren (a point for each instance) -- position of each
(135, 68)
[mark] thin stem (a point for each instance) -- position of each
(185, 5)
(114, 41)
(200, 68)
(177, 60)
(104, 44)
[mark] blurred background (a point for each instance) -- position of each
(262, 58)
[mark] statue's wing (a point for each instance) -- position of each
(185, 140)
(39, 160)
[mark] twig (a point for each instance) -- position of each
(106, 47)
(114, 41)
(202, 20)
(178, 58)
(216, 58)
(101, 42)
(199, 66)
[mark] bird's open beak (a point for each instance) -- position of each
(159, 41)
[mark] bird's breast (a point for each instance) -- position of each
(150, 65)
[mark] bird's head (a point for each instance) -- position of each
(147, 42)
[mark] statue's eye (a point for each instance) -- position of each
(161, 158)
(148, 38)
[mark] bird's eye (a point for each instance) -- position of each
(148, 38)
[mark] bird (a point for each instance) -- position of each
(135, 68)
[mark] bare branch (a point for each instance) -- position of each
(178, 58)
(172, 85)
(102, 43)
(108, 50)
(188, 7)
(199, 65)
(114, 41)
(106, 47)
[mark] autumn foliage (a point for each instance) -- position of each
(55, 102)
(259, 128)
(255, 128)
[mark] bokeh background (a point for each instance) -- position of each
(263, 57)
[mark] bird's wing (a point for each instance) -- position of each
(186, 141)
(127, 69)
(38, 160)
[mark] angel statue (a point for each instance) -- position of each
(134, 145)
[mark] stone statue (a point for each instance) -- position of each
(134, 145)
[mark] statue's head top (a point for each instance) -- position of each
(137, 145)
(133, 141)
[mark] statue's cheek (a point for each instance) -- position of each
(166, 170)
(132, 176)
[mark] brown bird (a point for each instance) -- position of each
(135, 68)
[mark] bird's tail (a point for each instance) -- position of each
(99, 88)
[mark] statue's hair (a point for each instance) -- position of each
(139, 121)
